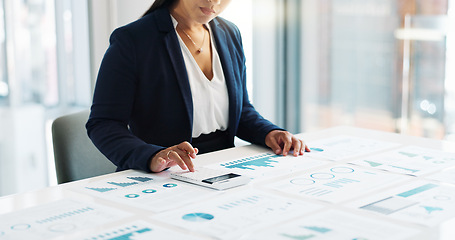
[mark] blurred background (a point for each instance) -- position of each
(312, 64)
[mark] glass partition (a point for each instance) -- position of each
(424, 45)
(4, 85)
(44, 66)
(380, 64)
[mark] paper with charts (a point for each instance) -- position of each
(56, 219)
(410, 160)
(152, 192)
(334, 224)
(336, 183)
(266, 164)
(139, 230)
(344, 147)
(420, 202)
(231, 216)
(447, 176)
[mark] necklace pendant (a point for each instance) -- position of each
(200, 50)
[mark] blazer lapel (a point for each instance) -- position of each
(224, 51)
(172, 46)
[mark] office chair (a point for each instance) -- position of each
(75, 155)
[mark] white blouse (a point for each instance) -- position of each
(210, 97)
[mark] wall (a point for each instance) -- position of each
(105, 16)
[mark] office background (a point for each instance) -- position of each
(312, 64)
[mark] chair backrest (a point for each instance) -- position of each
(75, 155)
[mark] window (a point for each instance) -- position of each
(377, 73)
(240, 13)
(4, 86)
(378, 64)
(44, 66)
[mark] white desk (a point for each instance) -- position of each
(382, 201)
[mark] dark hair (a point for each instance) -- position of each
(158, 4)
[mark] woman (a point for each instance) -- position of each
(172, 85)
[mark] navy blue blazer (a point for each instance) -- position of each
(142, 101)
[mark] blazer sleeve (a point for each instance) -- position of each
(112, 106)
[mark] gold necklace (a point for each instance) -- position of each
(199, 49)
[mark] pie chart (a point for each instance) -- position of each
(132, 196)
(170, 185)
(197, 217)
(149, 191)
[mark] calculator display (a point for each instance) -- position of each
(220, 178)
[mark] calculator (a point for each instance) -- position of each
(211, 178)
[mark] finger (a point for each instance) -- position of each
(302, 149)
(273, 144)
(174, 156)
(187, 148)
(185, 157)
(297, 145)
(307, 149)
(158, 164)
(287, 145)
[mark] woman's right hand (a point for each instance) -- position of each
(180, 154)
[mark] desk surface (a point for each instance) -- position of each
(355, 184)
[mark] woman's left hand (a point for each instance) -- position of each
(281, 142)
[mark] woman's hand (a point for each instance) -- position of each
(176, 155)
(281, 142)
